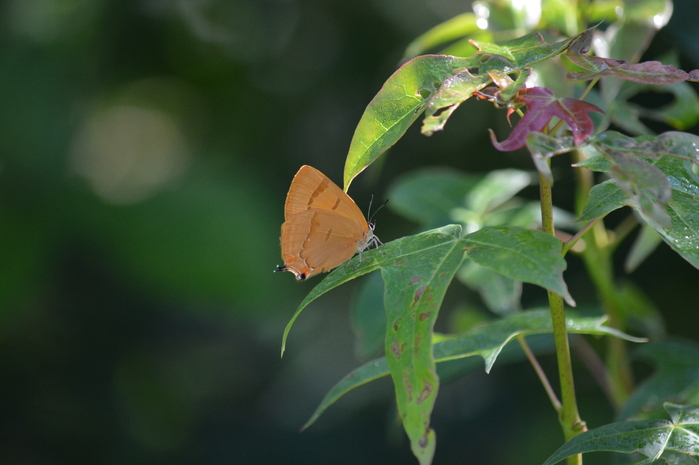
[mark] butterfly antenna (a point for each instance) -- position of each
(369, 215)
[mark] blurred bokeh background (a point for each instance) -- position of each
(146, 147)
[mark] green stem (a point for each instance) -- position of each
(569, 417)
(597, 257)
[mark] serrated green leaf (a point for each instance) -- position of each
(396, 106)
(598, 163)
(676, 377)
(604, 198)
(394, 253)
(414, 290)
(521, 52)
(683, 234)
(649, 437)
(521, 254)
(486, 341)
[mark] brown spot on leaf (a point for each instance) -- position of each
(395, 349)
(414, 279)
(401, 263)
(426, 391)
(396, 323)
(424, 316)
(418, 293)
(408, 386)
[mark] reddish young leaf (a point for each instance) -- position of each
(648, 72)
(542, 106)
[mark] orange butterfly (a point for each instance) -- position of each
(323, 227)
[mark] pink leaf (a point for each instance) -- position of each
(648, 72)
(542, 106)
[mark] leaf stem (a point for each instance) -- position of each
(570, 243)
(540, 373)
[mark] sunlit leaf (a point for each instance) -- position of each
(542, 106)
(649, 437)
(521, 254)
(486, 341)
(676, 378)
(521, 52)
(396, 106)
(454, 90)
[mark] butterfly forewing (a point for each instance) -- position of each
(311, 189)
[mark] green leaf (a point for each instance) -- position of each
(428, 196)
(369, 318)
(604, 198)
(486, 341)
(453, 92)
(435, 196)
(496, 188)
(521, 254)
(414, 289)
(413, 86)
(649, 437)
(520, 53)
(644, 184)
(500, 294)
(396, 106)
(598, 162)
(683, 234)
(394, 253)
(676, 377)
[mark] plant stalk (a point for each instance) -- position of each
(569, 416)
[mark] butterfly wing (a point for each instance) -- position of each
(311, 189)
(314, 241)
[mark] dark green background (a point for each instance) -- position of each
(146, 148)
